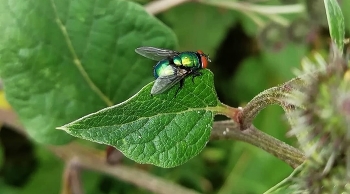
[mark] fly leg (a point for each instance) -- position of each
(179, 88)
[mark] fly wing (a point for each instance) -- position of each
(166, 82)
(156, 54)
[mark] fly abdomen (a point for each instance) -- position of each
(163, 68)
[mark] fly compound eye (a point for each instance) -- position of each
(204, 59)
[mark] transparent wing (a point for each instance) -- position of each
(166, 82)
(156, 54)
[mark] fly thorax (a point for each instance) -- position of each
(163, 68)
(187, 59)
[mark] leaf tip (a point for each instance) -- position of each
(61, 128)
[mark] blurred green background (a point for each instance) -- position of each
(248, 56)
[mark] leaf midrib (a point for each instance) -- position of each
(76, 60)
(207, 109)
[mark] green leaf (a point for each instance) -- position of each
(336, 22)
(63, 59)
(346, 13)
(163, 130)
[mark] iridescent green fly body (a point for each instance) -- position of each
(173, 66)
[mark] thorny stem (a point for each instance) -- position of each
(275, 95)
(231, 130)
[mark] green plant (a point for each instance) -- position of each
(77, 65)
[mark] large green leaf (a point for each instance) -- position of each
(336, 22)
(164, 130)
(63, 59)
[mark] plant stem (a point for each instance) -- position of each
(231, 130)
(285, 181)
(250, 9)
(92, 159)
(71, 182)
(262, 9)
(77, 156)
(275, 95)
(159, 6)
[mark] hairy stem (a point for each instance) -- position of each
(275, 95)
(231, 130)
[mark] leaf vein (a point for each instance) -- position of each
(76, 60)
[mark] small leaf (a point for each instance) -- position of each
(336, 22)
(163, 130)
(63, 59)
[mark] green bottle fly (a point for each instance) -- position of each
(173, 66)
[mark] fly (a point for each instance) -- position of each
(173, 66)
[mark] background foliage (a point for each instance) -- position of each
(248, 57)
